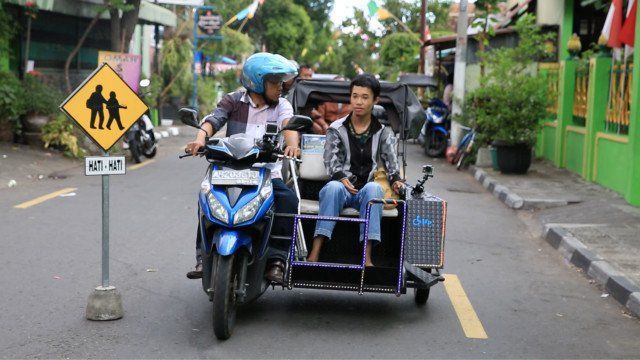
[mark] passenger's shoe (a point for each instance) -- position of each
(197, 273)
(275, 272)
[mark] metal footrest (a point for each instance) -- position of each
(419, 278)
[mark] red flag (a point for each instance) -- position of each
(616, 25)
(628, 31)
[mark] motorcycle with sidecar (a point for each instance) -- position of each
(235, 215)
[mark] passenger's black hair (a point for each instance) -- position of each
(304, 66)
(366, 80)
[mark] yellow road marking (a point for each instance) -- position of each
(43, 198)
(138, 166)
(470, 322)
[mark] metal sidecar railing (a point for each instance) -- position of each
(409, 271)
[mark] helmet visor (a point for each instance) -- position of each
(279, 78)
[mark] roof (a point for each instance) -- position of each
(149, 13)
(448, 42)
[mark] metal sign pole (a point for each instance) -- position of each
(194, 95)
(105, 228)
(105, 302)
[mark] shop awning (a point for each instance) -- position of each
(149, 13)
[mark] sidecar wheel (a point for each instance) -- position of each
(421, 296)
(224, 297)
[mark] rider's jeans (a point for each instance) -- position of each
(334, 197)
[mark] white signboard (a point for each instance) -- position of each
(104, 165)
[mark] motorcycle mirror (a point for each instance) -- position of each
(427, 170)
(189, 117)
(145, 82)
(299, 123)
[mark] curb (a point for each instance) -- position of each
(510, 198)
(162, 132)
(575, 252)
(503, 193)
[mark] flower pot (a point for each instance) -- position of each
(483, 158)
(33, 123)
(6, 130)
(513, 159)
(494, 158)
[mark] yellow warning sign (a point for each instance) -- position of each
(104, 106)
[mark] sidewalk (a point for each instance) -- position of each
(594, 228)
(21, 165)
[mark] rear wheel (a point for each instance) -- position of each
(224, 296)
(436, 144)
(421, 296)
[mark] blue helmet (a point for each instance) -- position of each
(265, 66)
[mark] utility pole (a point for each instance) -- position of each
(459, 71)
(423, 37)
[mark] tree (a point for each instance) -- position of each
(124, 17)
(400, 51)
(234, 44)
(283, 27)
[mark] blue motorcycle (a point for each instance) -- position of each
(235, 213)
(434, 134)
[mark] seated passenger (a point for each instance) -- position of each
(355, 144)
(327, 113)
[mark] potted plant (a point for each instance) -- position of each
(10, 100)
(507, 108)
(39, 103)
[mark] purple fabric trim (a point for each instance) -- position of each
(327, 265)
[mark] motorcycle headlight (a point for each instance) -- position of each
(248, 211)
(251, 208)
(217, 209)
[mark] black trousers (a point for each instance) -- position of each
(285, 201)
(100, 114)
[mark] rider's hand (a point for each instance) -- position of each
(397, 186)
(347, 184)
(193, 147)
(291, 151)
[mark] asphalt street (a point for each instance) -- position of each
(528, 302)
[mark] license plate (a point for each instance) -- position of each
(235, 177)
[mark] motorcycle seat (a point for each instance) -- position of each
(312, 207)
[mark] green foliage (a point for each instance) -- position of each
(511, 100)
(228, 80)
(234, 44)
(7, 29)
(207, 94)
(58, 133)
(177, 57)
(318, 11)
(284, 27)
(400, 51)
(11, 94)
(39, 98)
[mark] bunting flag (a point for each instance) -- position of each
(374, 9)
(628, 31)
(247, 12)
(613, 24)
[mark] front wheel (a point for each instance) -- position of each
(134, 146)
(224, 297)
(421, 296)
(436, 144)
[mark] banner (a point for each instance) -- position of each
(126, 65)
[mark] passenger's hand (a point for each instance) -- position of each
(397, 186)
(291, 151)
(350, 188)
(193, 147)
(315, 114)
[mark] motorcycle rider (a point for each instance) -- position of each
(248, 111)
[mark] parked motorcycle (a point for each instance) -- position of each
(434, 134)
(141, 140)
(235, 216)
